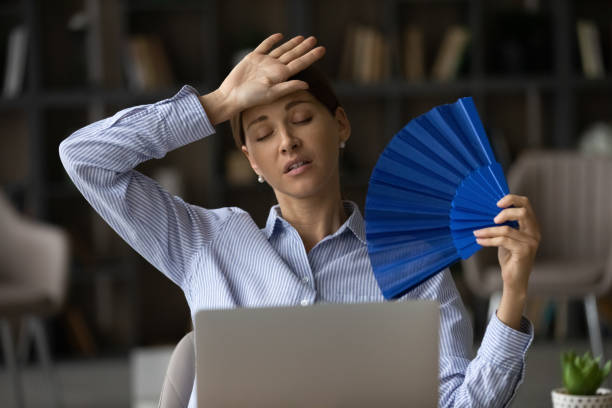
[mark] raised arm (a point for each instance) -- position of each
(100, 158)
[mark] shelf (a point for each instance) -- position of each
(152, 6)
(19, 101)
(85, 96)
(395, 88)
(427, 2)
(592, 84)
(398, 88)
(516, 83)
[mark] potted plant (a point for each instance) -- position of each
(582, 377)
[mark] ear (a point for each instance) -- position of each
(250, 159)
(344, 125)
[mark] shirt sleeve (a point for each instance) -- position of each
(100, 159)
(492, 377)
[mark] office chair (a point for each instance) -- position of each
(180, 375)
(34, 260)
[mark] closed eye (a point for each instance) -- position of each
(300, 122)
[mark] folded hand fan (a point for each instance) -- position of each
(434, 184)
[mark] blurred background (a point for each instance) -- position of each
(104, 321)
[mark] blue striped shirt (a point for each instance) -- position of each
(221, 259)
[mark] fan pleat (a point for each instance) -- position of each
(416, 136)
(418, 172)
(400, 185)
(445, 134)
(380, 241)
(471, 114)
(402, 276)
(427, 204)
(434, 184)
(414, 247)
(416, 252)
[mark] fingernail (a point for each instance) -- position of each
(476, 232)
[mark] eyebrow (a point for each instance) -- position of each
(264, 117)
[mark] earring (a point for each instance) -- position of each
(260, 179)
(342, 144)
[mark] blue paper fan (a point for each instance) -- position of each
(434, 184)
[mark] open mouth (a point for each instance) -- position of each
(297, 167)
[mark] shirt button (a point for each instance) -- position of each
(305, 279)
(304, 302)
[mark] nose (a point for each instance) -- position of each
(288, 141)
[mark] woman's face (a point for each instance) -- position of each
(293, 143)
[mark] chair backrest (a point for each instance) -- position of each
(180, 376)
(33, 254)
(572, 198)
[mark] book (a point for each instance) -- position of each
(148, 66)
(359, 56)
(15, 61)
(107, 21)
(367, 62)
(345, 71)
(378, 57)
(451, 53)
(366, 54)
(413, 55)
(590, 49)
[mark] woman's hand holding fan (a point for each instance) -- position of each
(437, 182)
(516, 253)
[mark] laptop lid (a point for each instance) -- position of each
(324, 355)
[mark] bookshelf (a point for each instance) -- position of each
(530, 91)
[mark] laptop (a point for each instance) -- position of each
(323, 355)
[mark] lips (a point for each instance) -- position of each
(294, 164)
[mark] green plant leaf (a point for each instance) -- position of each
(606, 369)
(582, 375)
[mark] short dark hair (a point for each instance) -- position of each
(318, 85)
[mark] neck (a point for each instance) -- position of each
(315, 217)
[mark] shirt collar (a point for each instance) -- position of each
(354, 222)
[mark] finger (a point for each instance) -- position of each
(286, 88)
(305, 60)
(282, 49)
(521, 214)
(506, 231)
(514, 199)
(525, 214)
(505, 242)
(266, 44)
(298, 50)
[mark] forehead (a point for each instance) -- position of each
(277, 105)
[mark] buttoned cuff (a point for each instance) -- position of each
(185, 117)
(504, 346)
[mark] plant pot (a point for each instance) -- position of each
(561, 399)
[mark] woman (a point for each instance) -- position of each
(313, 247)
